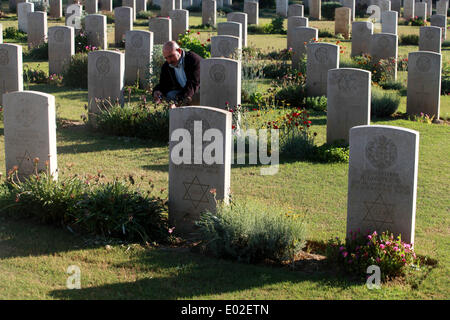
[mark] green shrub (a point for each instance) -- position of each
(337, 151)
(251, 233)
(445, 78)
(392, 85)
(34, 75)
(361, 10)
(14, 34)
(109, 15)
(39, 52)
(195, 8)
(409, 39)
(327, 9)
(192, 43)
(115, 210)
(316, 103)
(267, 4)
(393, 256)
(110, 209)
(383, 104)
(417, 22)
(276, 69)
(145, 15)
(325, 34)
(135, 120)
(76, 73)
(382, 71)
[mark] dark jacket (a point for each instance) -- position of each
(168, 80)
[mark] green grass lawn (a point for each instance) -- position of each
(34, 257)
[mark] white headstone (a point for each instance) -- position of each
(61, 48)
(361, 34)
(11, 70)
(348, 101)
(180, 22)
(220, 80)
(430, 39)
(22, 14)
(106, 71)
(30, 132)
(382, 180)
(389, 22)
(294, 22)
(321, 57)
(209, 12)
(242, 19)
(95, 26)
(385, 46)
(123, 20)
(424, 83)
(301, 37)
(161, 28)
(440, 20)
(226, 47)
(37, 28)
(138, 55)
(197, 180)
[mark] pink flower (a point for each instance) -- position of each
(345, 254)
(395, 249)
(341, 248)
(382, 246)
(378, 259)
(369, 237)
(171, 230)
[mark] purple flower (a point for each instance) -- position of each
(341, 248)
(345, 254)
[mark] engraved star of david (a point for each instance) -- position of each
(201, 189)
(28, 168)
(379, 213)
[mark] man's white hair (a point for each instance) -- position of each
(170, 46)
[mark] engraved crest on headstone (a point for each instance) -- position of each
(217, 73)
(321, 55)
(381, 152)
(225, 48)
(59, 36)
(423, 64)
(137, 41)
(102, 65)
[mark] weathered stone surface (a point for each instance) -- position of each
(22, 15)
(95, 26)
(105, 5)
(220, 80)
(226, 47)
(209, 12)
(315, 10)
(350, 4)
(282, 7)
(342, 19)
(408, 9)
(321, 57)
(11, 68)
(37, 28)
(91, 6)
(440, 20)
(420, 10)
(430, 39)
(301, 37)
(55, 8)
(293, 22)
(382, 180)
(61, 48)
(385, 46)
(424, 83)
(106, 71)
(251, 8)
(123, 20)
(361, 36)
(295, 10)
(161, 28)
(138, 54)
(180, 22)
(229, 29)
(242, 19)
(389, 22)
(30, 132)
(132, 4)
(348, 101)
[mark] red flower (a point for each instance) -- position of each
(208, 40)
(233, 127)
(198, 32)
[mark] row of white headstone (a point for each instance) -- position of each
(382, 178)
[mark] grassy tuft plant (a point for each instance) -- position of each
(252, 233)
(76, 73)
(383, 104)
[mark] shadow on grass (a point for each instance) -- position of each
(184, 275)
(84, 140)
(67, 92)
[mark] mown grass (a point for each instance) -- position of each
(34, 258)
